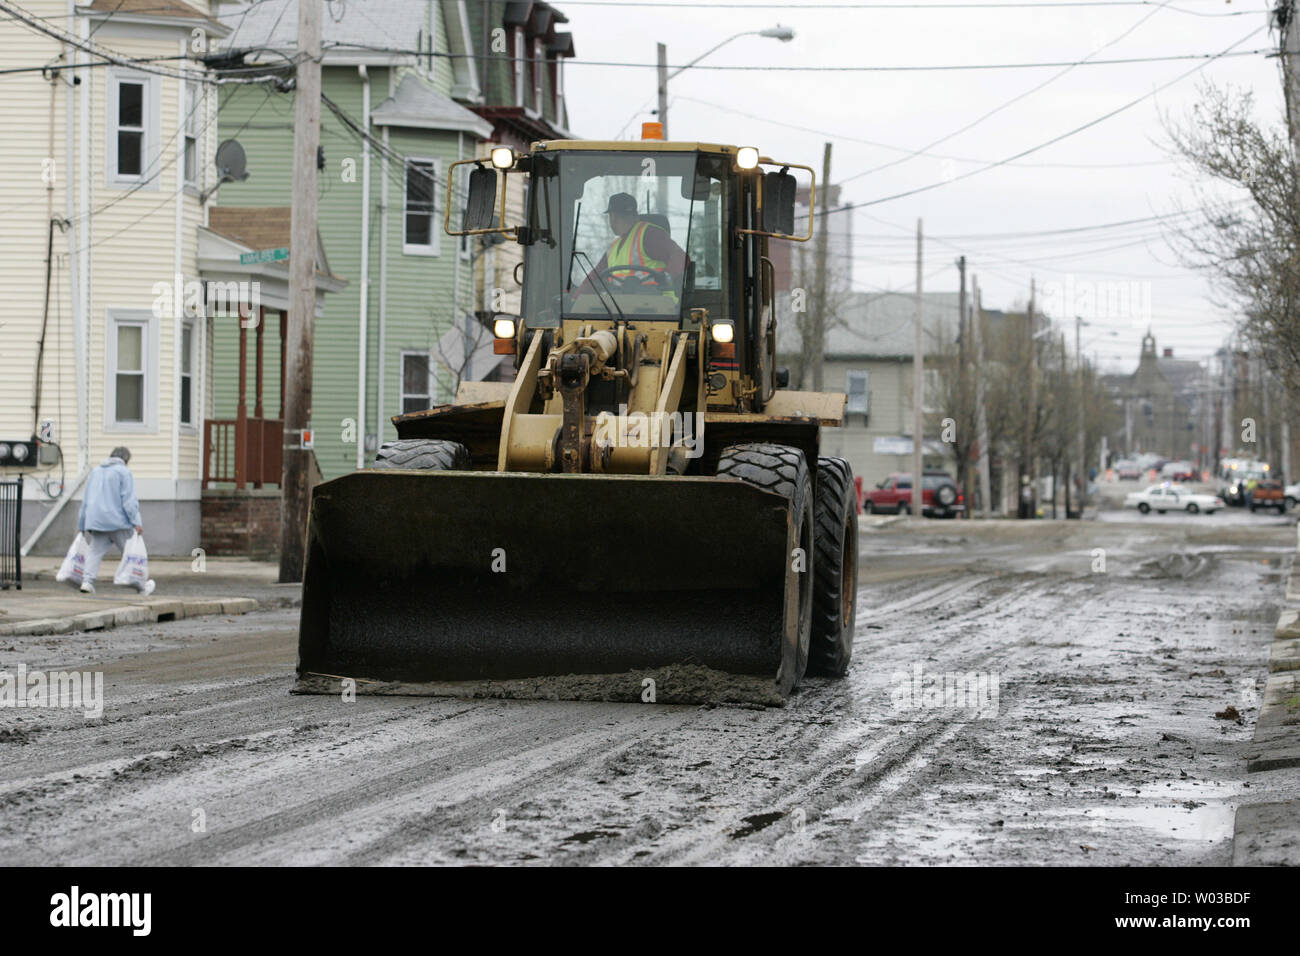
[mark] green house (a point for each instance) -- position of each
(390, 128)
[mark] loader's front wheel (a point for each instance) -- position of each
(423, 454)
(783, 469)
(835, 589)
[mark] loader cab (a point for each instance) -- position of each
(672, 259)
(652, 237)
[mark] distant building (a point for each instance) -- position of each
(869, 353)
(1162, 407)
(795, 262)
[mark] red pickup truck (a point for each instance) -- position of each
(940, 497)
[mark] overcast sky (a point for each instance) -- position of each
(1117, 170)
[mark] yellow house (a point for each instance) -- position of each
(109, 126)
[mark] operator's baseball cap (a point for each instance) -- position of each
(622, 202)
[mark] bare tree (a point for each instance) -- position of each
(1248, 242)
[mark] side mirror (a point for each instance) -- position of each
(781, 377)
(778, 203)
(481, 202)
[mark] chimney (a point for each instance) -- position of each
(1169, 353)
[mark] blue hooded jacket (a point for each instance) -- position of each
(110, 503)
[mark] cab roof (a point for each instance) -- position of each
(634, 146)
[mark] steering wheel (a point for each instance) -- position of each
(635, 275)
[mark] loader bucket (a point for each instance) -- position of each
(673, 589)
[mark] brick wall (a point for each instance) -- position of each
(241, 523)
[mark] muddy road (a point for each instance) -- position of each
(1097, 655)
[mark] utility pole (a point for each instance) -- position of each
(981, 422)
(823, 246)
(1028, 507)
(962, 387)
(918, 392)
(663, 89)
(1082, 409)
(1291, 93)
(295, 480)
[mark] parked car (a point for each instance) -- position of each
(1127, 471)
(1268, 493)
(1292, 495)
(1178, 471)
(1169, 497)
(940, 497)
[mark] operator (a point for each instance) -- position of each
(639, 248)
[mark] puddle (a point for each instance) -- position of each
(1208, 824)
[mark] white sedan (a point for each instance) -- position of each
(1292, 495)
(1170, 497)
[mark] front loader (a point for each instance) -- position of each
(642, 513)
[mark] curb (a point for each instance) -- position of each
(1268, 834)
(129, 614)
(1276, 742)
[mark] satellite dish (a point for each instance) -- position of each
(230, 162)
(231, 167)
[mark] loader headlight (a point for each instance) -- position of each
(503, 157)
(722, 332)
(746, 157)
(504, 328)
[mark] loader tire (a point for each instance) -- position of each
(835, 585)
(784, 470)
(423, 454)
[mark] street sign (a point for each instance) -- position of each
(263, 255)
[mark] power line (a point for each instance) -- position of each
(903, 149)
(42, 25)
(1016, 99)
(978, 5)
(1063, 136)
(770, 68)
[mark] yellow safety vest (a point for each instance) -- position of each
(629, 250)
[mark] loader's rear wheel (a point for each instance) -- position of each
(835, 587)
(423, 454)
(784, 470)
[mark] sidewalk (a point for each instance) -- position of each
(1268, 834)
(223, 586)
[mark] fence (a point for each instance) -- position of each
(11, 523)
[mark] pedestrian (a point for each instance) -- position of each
(109, 513)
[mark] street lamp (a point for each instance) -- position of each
(778, 32)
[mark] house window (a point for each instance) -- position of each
(187, 374)
(131, 372)
(537, 75)
(859, 393)
(132, 127)
(417, 382)
(519, 66)
(193, 115)
(420, 232)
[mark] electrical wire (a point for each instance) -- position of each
(1063, 136)
(838, 136)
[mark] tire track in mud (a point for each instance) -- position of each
(394, 780)
(824, 754)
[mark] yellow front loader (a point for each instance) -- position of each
(642, 513)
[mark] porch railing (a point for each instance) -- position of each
(243, 451)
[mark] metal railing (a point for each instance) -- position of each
(11, 523)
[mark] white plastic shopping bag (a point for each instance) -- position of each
(73, 569)
(134, 567)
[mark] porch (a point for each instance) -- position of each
(243, 255)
